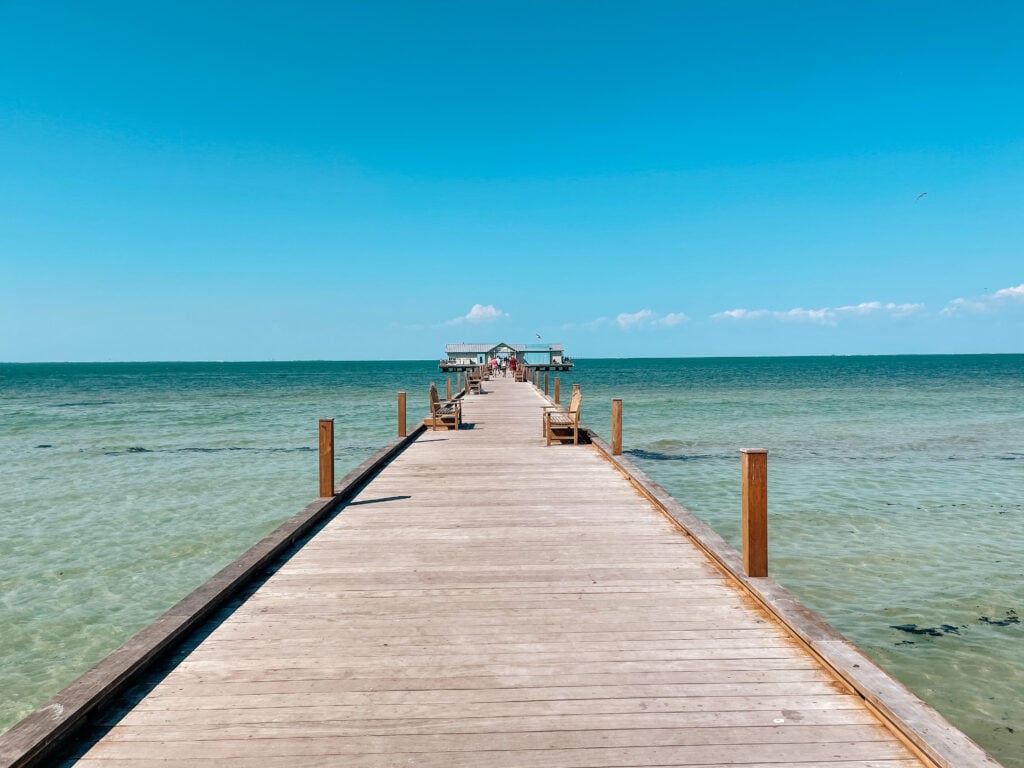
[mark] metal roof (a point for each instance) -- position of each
(475, 349)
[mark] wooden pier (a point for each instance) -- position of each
(482, 599)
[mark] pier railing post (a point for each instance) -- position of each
(545, 385)
(616, 427)
(401, 415)
(558, 389)
(754, 467)
(449, 383)
(326, 457)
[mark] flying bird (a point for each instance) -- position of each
(921, 195)
(537, 335)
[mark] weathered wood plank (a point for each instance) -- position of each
(588, 733)
(514, 702)
(274, 751)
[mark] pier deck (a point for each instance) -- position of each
(490, 601)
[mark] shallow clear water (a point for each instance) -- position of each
(895, 495)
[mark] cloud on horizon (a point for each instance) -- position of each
(646, 318)
(823, 316)
(480, 314)
(988, 302)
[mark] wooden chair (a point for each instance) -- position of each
(443, 415)
(476, 382)
(562, 423)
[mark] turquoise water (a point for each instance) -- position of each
(896, 495)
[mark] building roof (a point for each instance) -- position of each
(475, 349)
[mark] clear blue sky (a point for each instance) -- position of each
(341, 180)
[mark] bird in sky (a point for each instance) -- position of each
(537, 335)
(921, 195)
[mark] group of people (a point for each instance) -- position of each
(503, 364)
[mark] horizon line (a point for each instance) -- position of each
(573, 358)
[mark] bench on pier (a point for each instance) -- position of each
(443, 415)
(476, 382)
(562, 423)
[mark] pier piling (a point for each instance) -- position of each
(616, 427)
(326, 457)
(754, 468)
(401, 415)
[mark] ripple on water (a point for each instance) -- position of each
(873, 524)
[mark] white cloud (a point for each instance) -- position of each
(647, 318)
(630, 320)
(823, 316)
(875, 307)
(1016, 292)
(480, 314)
(735, 314)
(798, 314)
(987, 302)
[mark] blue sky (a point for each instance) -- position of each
(249, 181)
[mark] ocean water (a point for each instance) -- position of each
(896, 495)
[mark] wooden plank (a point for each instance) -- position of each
(515, 702)
(588, 733)
(331, 761)
(567, 755)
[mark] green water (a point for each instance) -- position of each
(895, 495)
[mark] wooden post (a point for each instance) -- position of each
(754, 467)
(449, 387)
(616, 427)
(558, 389)
(326, 457)
(545, 384)
(401, 414)
(575, 388)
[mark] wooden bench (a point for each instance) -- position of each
(562, 423)
(476, 382)
(443, 415)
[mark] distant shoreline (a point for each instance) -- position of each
(576, 358)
